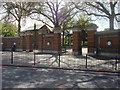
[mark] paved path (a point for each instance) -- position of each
(21, 77)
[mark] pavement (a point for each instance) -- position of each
(26, 77)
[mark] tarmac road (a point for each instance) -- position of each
(26, 77)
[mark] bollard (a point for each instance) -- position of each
(65, 49)
(34, 58)
(86, 60)
(59, 60)
(12, 50)
(11, 57)
(116, 63)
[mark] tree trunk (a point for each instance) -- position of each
(111, 23)
(63, 38)
(19, 27)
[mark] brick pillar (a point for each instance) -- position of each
(91, 37)
(119, 43)
(1, 44)
(77, 48)
(40, 41)
(22, 41)
(28, 41)
(57, 40)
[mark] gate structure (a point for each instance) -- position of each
(77, 39)
(44, 40)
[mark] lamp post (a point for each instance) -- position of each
(34, 41)
(34, 36)
(14, 46)
(13, 49)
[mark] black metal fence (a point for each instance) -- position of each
(60, 61)
(102, 63)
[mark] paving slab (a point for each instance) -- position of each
(25, 77)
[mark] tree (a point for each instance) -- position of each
(8, 30)
(68, 23)
(56, 12)
(102, 9)
(59, 14)
(83, 21)
(17, 11)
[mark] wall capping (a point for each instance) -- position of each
(48, 35)
(77, 31)
(107, 32)
(92, 27)
(57, 30)
(9, 37)
(76, 53)
(47, 51)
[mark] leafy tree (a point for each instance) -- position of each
(8, 30)
(82, 21)
(67, 24)
(17, 11)
(68, 38)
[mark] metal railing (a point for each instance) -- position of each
(60, 60)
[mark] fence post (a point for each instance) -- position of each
(116, 63)
(86, 60)
(34, 58)
(12, 57)
(65, 49)
(59, 60)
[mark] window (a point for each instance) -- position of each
(109, 42)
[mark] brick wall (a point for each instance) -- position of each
(77, 42)
(8, 42)
(103, 42)
(48, 43)
(40, 42)
(119, 43)
(57, 41)
(102, 39)
(51, 41)
(91, 41)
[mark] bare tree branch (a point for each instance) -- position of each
(38, 19)
(102, 9)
